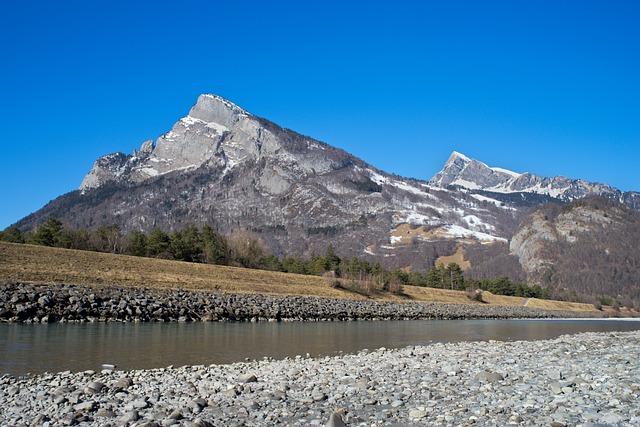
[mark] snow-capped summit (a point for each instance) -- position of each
(465, 172)
(457, 155)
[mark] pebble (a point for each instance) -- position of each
(487, 376)
(131, 416)
(123, 383)
(95, 386)
(247, 378)
(84, 406)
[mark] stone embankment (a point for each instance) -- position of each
(31, 303)
(590, 379)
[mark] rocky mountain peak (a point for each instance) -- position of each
(215, 132)
(469, 173)
(474, 175)
(212, 108)
(457, 157)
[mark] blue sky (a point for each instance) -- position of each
(547, 87)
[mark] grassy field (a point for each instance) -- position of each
(31, 263)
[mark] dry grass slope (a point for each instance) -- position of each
(457, 257)
(31, 263)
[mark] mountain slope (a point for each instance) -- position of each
(588, 247)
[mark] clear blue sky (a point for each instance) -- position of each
(548, 87)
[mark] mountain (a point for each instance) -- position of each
(461, 171)
(588, 246)
(225, 166)
(229, 168)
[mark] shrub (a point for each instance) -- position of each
(616, 305)
(362, 287)
(395, 287)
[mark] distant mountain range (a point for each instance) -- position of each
(472, 174)
(227, 167)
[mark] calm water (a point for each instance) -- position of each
(56, 347)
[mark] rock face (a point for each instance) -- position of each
(587, 246)
(216, 134)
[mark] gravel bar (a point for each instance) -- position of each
(589, 379)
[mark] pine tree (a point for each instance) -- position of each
(318, 265)
(137, 244)
(13, 235)
(48, 233)
(333, 260)
(455, 276)
(214, 246)
(186, 244)
(434, 278)
(158, 243)
(271, 262)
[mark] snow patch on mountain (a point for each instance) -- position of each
(456, 231)
(507, 171)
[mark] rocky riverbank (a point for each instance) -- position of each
(33, 303)
(578, 380)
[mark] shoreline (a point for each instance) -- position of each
(47, 303)
(569, 380)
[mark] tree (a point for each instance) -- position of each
(434, 278)
(13, 235)
(77, 239)
(137, 244)
(318, 265)
(48, 233)
(65, 239)
(247, 249)
(378, 274)
(455, 276)
(215, 247)
(186, 244)
(108, 238)
(294, 265)
(158, 243)
(333, 260)
(271, 262)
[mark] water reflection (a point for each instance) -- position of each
(57, 347)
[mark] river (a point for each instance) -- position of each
(58, 347)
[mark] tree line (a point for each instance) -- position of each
(246, 249)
